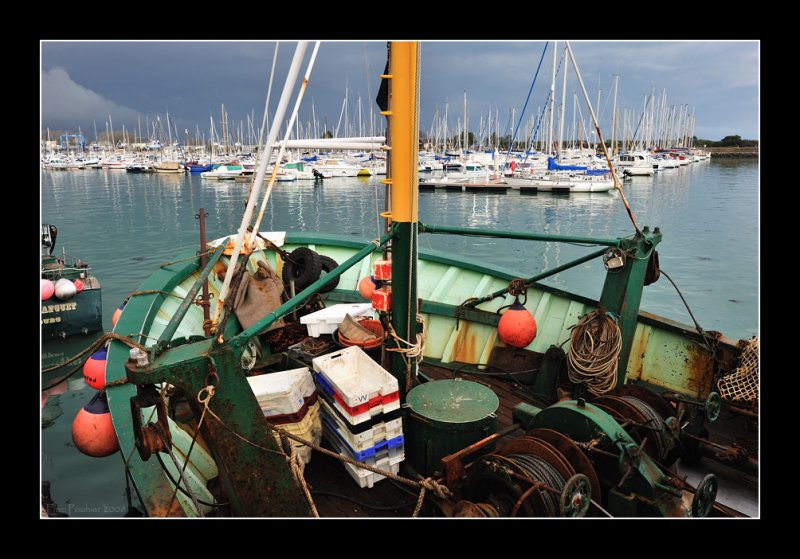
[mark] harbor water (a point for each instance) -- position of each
(126, 224)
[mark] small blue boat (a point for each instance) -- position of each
(197, 168)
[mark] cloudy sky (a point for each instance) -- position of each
(82, 83)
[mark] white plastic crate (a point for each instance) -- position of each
(282, 392)
(358, 414)
(366, 478)
(361, 441)
(327, 320)
(309, 429)
(393, 449)
(355, 376)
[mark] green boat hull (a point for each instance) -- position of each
(81, 315)
(666, 355)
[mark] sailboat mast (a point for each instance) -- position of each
(465, 121)
(224, 129)
(561, 112)
(552, 101)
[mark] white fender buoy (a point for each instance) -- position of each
(65, 289)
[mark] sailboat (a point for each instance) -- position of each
(501, 413)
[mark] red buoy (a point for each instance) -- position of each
(365, 287)
(92, 430)
(117, 313)
(517, 327)
(94, 370)
(78, 285)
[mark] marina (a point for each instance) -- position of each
(197, 342)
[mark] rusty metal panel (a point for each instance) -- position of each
(670, 360)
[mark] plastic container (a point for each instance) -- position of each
(393, 448)
(354, 415)
(285, 418)
(283, 392)
(328, 319)
(355, 377)
(445, 416)
(379, 431)
(365, 478)
(373, 352)
(309, 429)
(373, 326)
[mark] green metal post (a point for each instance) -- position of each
(474, 232)
(404, 299)
(622, 291)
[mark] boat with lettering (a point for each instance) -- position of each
(71, 295)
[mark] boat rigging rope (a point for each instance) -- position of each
(528, 98)
(296, 465)
(696, 324)
(617, 183)
(593, 356)
(198, 255)
(182, 476)
(91, 349)
(411, 351)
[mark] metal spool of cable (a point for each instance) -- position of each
(654, 421)
(529, 477)
(631, 416)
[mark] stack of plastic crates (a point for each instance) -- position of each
(360, 411)
(289, 400)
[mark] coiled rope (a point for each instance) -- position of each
(593, 357)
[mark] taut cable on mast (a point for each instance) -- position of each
(617, 184)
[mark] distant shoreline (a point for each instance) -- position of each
(732, 152)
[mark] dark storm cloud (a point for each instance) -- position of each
(192, 79)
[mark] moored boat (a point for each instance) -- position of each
(71, 295)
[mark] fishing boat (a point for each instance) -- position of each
(519, 399)
(71, 295)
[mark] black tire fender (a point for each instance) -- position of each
(328, 264)
(301, 266)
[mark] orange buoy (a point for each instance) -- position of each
(517, 327)
(48, 288)
(365, 287)
(78, 285)
(92, 430)
(117, 313)
(94, 370)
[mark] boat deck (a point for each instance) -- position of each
(336, 494)
(391, 499)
